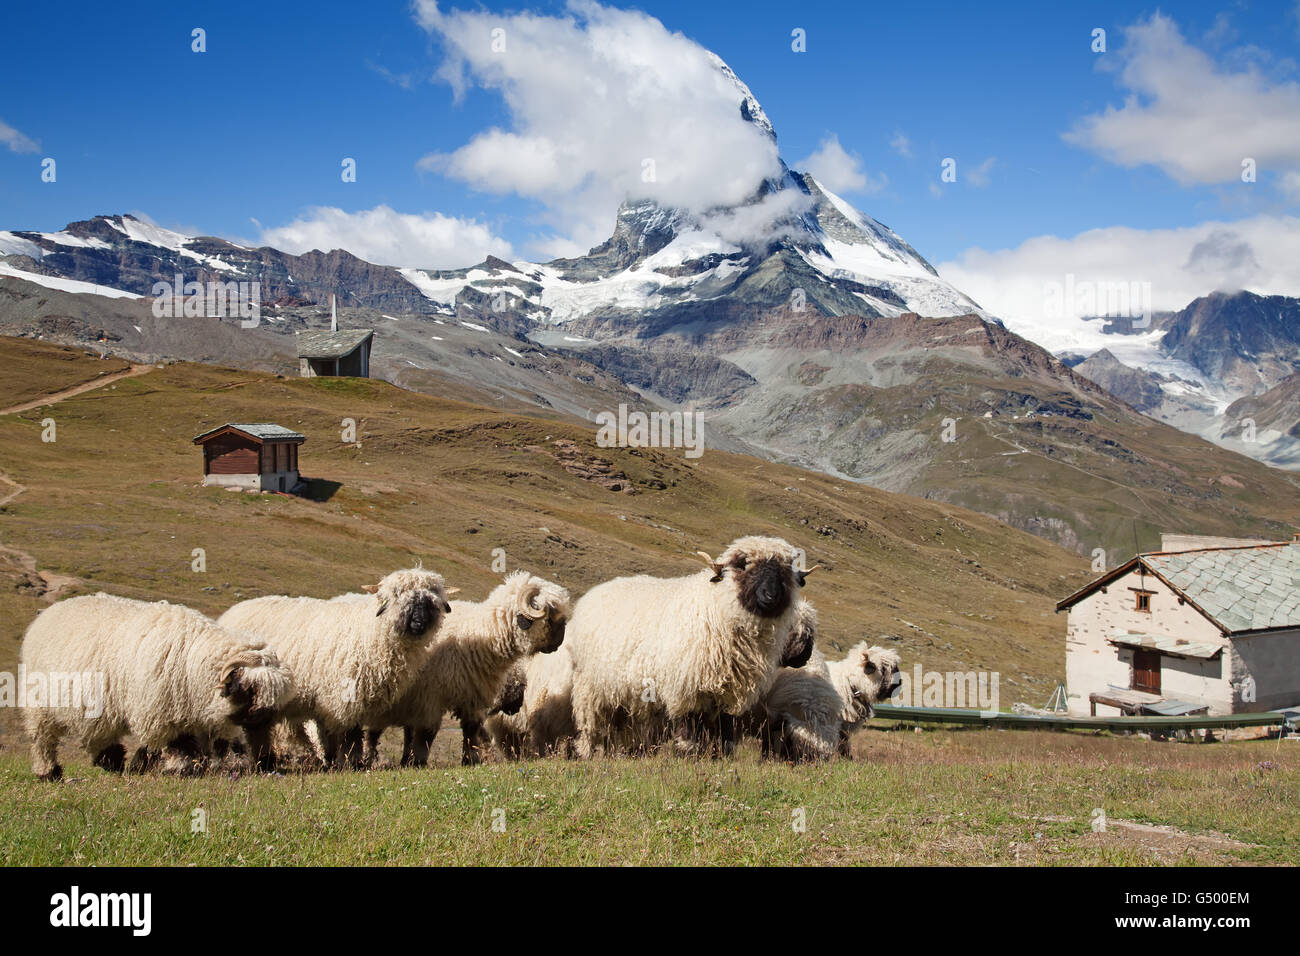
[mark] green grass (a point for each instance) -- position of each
(947, 797)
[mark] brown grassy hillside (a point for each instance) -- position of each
(115, 503)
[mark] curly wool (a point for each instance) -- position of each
(544, 724)
(468, 663)
(813, 711)
(352, 655)
(168, 672)
(648, 651)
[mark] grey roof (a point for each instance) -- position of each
(262, 430)
(320, 345)
(1240, 589)
(1165, 645)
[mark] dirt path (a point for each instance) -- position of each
(15, 489)
(78, 389)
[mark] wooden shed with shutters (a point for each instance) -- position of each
(260, 457)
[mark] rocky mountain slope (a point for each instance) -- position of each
(1205, 358)
(799, 327)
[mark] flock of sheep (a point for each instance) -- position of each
(637, 663)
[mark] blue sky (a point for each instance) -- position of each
(248, 137)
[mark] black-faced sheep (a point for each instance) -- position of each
(162, 672)
(684, 656)
(810, 713)
(468, 663)
(352, 656)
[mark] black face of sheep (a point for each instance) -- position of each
(798, 648)
(766, 587)
(418, 615)
(555, 627)
(891, 678)
(243, 697)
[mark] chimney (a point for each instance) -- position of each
(334, 312)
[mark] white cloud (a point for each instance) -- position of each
(900, 144)
(1261, 254)
(839, 170)
(592, 95)
(431, 241)
(15, 140)
(978, 175)
(1194, 119)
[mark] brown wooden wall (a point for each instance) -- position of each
(231, 455)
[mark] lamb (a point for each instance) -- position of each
(352, 656)
(165, 673)
(544, 724)
(809, 714)
(467, 666)
(682, 656)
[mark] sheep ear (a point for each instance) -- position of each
(370, 588)
(712, 565)
(450, 591)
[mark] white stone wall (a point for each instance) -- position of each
(1092, 664)
(269, 481)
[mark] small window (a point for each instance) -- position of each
(1144, 601)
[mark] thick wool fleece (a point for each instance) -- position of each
(648, 651)
(475, 649)
(352, 655)
(167, 672)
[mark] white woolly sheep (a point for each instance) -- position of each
(543, 726)
(685, 655)
(352, 656)
(467, 664)
(164, 673)
(809, 714)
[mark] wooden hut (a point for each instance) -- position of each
(263, 457)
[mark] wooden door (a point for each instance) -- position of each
(1146, 671)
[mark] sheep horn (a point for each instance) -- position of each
(713, 565)
(530, 605)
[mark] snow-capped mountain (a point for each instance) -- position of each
(1200, 368)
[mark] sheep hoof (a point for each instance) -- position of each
(53, 775)
(112, 758)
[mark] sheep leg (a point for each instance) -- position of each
(470, 751)
(370, 755)
(142, 760)
(351, 748)
(182, 755)
(329, 747)
(260, 749)
(728, 734)
(418, 741)
(45, 752)
(112, 758)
